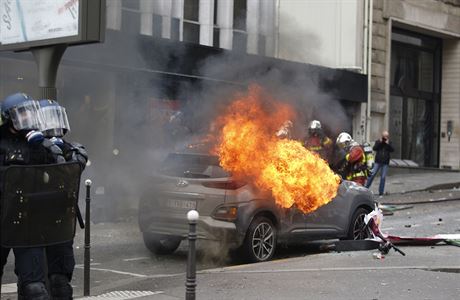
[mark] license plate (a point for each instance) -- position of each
(182, 204)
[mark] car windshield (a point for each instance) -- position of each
(192, 166)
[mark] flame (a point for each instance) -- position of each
(249, 148)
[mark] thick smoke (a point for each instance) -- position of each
(130, 118)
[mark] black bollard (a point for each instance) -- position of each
(190, 283)
(87, 240)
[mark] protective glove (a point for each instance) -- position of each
(57, 141)
(35, 137)
(54, 150)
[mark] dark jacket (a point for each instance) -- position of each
(383, 151)
(15, 150)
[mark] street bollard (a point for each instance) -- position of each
(87, 258)
(190, 283)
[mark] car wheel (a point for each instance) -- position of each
(358, 229)
(260, 242)
(161, 244)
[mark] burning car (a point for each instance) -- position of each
(253, 188)
(235, 213)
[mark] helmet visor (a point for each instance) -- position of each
(26, 116)
(55, 120)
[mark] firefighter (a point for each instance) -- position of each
(60, 257)
(317, 141)
(354, 164)
(21, 143)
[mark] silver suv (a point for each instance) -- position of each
(234, 213)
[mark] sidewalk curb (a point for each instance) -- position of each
(436, 187)
(422, 202)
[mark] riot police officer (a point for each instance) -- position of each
(21, 143)
(60, 257)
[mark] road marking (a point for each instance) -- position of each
(122, 295)
(9, 288)
(91, 264)
(389, 228)
(116, 272)
(136, 258)
(224, 270)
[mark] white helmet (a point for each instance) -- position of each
(343, 140)
(315, 124)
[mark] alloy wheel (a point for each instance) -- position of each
(263, 241)
(360, 229)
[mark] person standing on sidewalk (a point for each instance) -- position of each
(383, 148)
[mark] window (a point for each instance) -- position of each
(157, 24)
(191, 29)
(191, 32)
(130, 16)
(239, 14)
(216, 30)
(191, 10)
(216, 37)
(240, 36)
(175, 29)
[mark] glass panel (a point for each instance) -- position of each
(175, 29)
(419, 131)
(434, 108)
(412, 70)
(404, 65)
(191, 32)
(157, 22)
(396, 117)
(425, 71)
(239, 14)
(216, 3)
(415, 39)
(191, 9)
(216, 37)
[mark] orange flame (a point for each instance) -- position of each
(249, 148)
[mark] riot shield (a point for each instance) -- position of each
(38, 204)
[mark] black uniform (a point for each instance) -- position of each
(60, 257)
(15, 150)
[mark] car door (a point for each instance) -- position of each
(332, 218)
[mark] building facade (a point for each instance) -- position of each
(415, 83)
(389, 64)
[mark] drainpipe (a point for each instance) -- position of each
(369, 68)
(365, 35)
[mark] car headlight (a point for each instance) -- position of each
(225, 213)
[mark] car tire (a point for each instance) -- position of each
(260, 241)
(358, 229)
(161, 244)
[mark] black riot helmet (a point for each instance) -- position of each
(55, 119)
(21, 112)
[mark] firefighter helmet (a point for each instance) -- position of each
(343, 140)
(315, 124)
